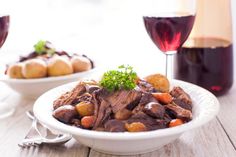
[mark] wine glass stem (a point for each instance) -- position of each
(169, 64)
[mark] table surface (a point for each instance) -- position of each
(215, 139)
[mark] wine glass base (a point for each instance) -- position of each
(6, 110)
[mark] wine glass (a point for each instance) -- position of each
(169, 23)
(5, 109)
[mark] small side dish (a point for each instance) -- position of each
(46, 61)
(123, 102)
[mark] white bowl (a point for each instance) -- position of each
(33, 88)
(205, 108)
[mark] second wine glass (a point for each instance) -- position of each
(5, 109)
(169, 23)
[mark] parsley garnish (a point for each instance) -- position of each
(41, 48)
(123, 78)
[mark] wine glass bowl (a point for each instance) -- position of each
(5, 109)
(169, 26)
(169, 33)
(4, 27)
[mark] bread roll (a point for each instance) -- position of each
(58, 66)
(81, 63)
(34, 68)
(160, 82)
(15, 71)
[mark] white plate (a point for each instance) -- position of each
(205, 108)
(33, 88)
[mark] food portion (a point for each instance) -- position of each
(58, 66)
(123, 102)
(15, 71)
(46, 61)
(34, 68)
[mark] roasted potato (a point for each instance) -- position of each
(135, 127)
(123, 114)
(159, 82)
(80, 63)
(15, 71)
(85, 108)
(58, 66)
(34, 68)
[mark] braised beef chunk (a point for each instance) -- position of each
(123, 98)
(154, 109)
(182, 104)
(97, 98)
(103, 113)
(146, 98)
(69, 97)
(60, 101)
(115, 126)
(179, 112)
(75, 122)
(106, 115)
(138, 108)
(65, 113)
(179, 93)
(84, 97)
(145, 86)
(170, 113)
(101, 94)
(167, 118)
(96, 103)
(162, 123)
(149, 122)
(92, 88)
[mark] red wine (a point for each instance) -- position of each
(207, 62)
(169, 33)
(4, 26)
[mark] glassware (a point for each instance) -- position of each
(5, 109)
(169, 23)
(4, 26)
(206, 58)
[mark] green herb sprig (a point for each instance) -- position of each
(123, 78)
(40, 48)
